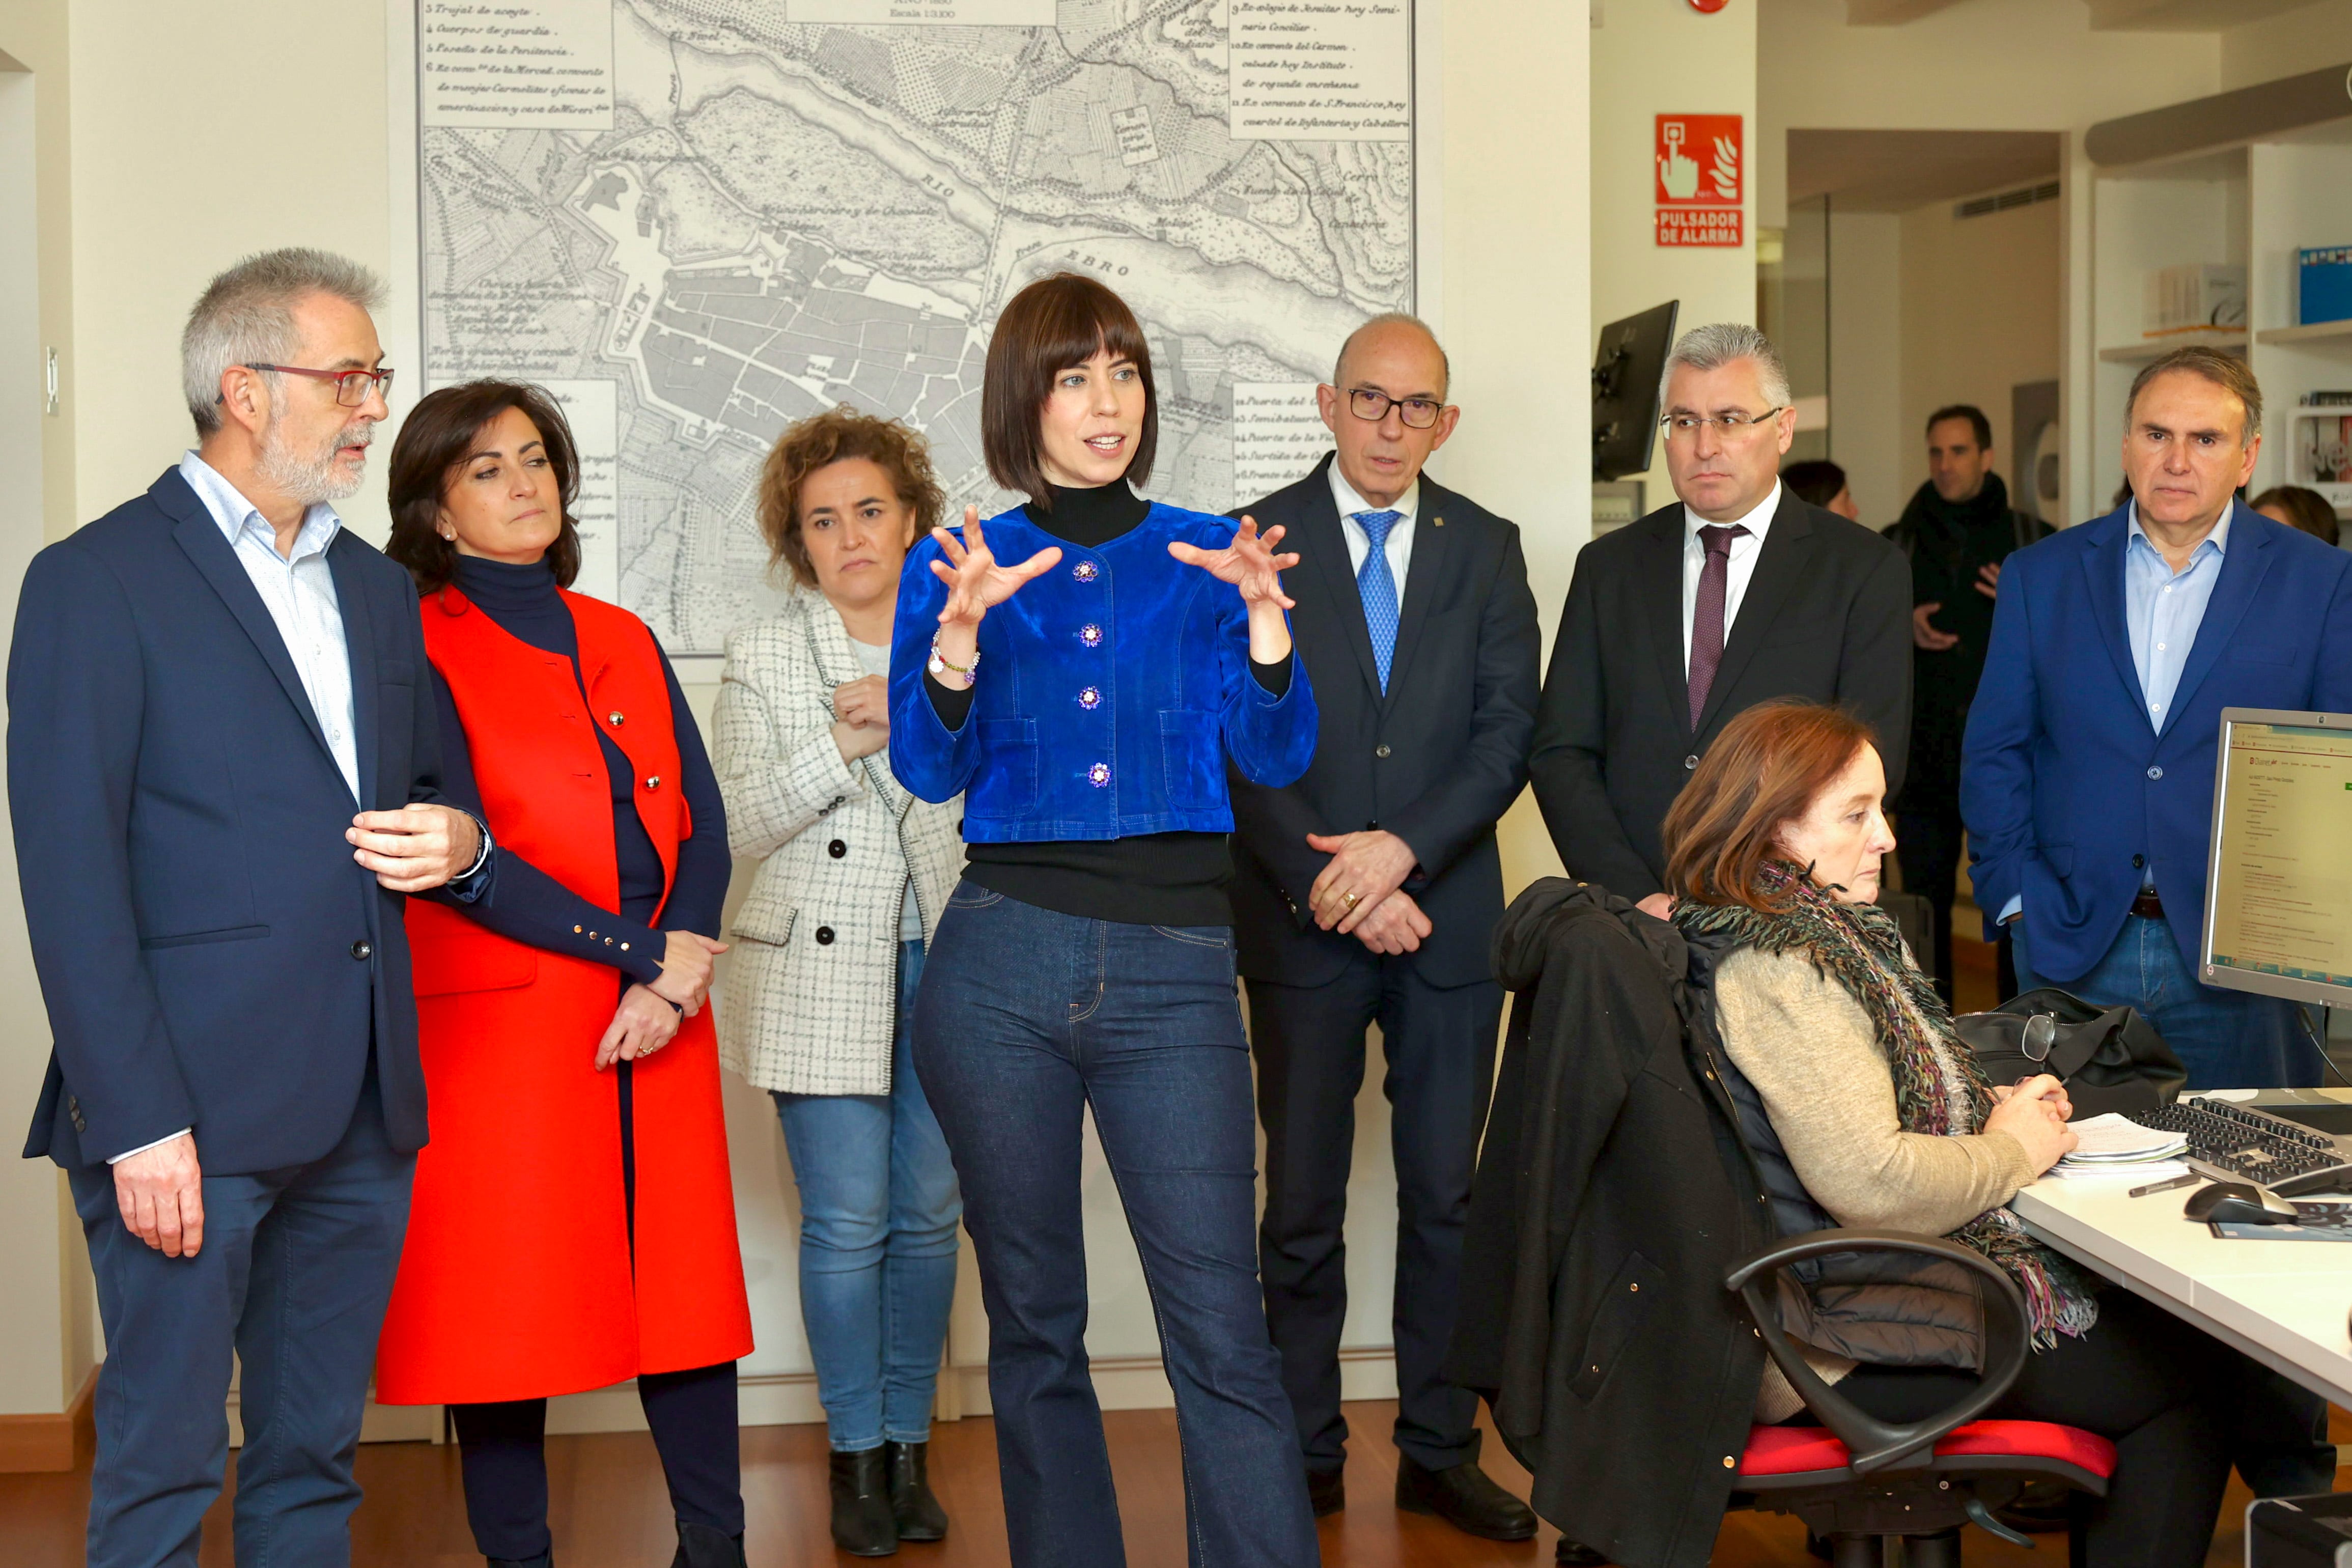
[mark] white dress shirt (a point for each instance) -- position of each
(1359, 544)
(299, 590)
(1741, 566)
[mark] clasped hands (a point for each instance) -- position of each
(650, 1014)
(1361, 893)
(2035, 1112)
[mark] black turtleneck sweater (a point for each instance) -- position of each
(1156, 879)
(523, 901)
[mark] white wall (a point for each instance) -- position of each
(2289, 44)
(1980, 298)
(1866, 419)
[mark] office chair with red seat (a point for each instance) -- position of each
(1858, 1482)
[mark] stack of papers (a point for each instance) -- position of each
(2114, 1145)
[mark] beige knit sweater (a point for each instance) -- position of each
(1810, 1049)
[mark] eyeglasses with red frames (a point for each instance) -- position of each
(352, 387)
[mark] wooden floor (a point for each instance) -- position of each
(610, 1509)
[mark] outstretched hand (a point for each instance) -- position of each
(1248, 562)
(976, 583)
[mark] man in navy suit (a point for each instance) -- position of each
(2086, 780)
(223, 762)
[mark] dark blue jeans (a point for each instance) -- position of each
(294, 1275)
(1027, 1018)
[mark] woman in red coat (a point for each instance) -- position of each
(573, 1224)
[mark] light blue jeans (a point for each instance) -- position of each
(878, 1213)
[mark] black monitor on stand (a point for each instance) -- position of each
(1627, 373)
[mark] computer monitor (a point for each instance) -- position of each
(2278, 888)
(1627, 370)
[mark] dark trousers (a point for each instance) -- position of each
(2165, 1393)
(1439, 1045)
(1026, 1020)
(293, 1277)
(1929, 839)
(504, 1460)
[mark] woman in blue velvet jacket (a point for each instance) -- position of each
(1086, 702)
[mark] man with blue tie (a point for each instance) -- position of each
(223, 767)
(2087, 784)
(2087, 778)
(1366, 892)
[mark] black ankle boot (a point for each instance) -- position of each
(705, 1546)
(862, 1525)
(917, 1512)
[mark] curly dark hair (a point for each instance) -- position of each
(836, 436)
(434, 441)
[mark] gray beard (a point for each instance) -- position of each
(307, 477)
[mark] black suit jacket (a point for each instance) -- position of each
(1435, 760)
(211, 954)
(1827, 615)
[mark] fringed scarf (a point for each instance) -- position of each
(1938, 1088)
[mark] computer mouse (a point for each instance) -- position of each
(2238, 1203)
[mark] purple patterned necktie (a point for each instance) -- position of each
(1706, 616)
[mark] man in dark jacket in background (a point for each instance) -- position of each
(1957, 530)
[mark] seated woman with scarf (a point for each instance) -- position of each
(1865, 1111)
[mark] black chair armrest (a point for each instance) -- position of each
(1877, 1444)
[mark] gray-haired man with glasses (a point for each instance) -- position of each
(1738, 594)
(1368, 891)
(224, 771)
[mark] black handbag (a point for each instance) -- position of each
(2109, 1058)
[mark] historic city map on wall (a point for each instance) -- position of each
(699, 220)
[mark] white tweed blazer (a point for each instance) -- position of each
(809, 1004)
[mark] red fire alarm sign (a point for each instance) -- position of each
(1699, 180)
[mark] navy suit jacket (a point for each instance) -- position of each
(212, 955)
(2064, 787)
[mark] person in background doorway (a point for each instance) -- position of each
(1820, 482)
(819, 1004)
(574, 1223)
(2299, 507)
(1368, 891)
(223, 787)
(1675, 625)
(2088, 781)
(1958, 529)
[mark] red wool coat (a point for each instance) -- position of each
(517, 1279)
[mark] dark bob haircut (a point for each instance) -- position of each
(1053, 325)
(835, 436)
(436, 440)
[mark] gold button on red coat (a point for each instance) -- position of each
(614, 719)
(654, 783)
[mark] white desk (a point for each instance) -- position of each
(2283, 1302)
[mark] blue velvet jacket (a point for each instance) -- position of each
(1110, 692)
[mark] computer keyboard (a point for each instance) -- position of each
(2245, 1144)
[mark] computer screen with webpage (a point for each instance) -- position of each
(2278, 909)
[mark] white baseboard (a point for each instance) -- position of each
(789, 1398)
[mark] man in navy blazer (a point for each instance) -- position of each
(2087, 784)
(223, 762)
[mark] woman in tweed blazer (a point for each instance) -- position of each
(829, 945)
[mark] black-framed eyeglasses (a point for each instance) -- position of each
(1726, 424)
(352, 387)
(1372, 404)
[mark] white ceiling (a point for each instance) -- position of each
(1895, 170)
(2106, 15)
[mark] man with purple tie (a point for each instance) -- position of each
(1675, 625)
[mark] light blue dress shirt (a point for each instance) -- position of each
(299, 591)
(2162, 610)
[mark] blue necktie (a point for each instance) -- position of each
(1376, 584)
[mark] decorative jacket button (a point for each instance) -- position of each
(362, 950)
(654, 783)
(1091, 635)
(1382, 750)
(2156, 772)
(2139, 862)
(1098, 775)
(1690, 762)
(836, 848)
(824, 936)
(614, 720)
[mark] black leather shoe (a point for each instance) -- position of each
(1326, 1491)
(544, 1560)
(1464, 1496)
(1578, 1555)
(701, 1546)
(862, 1524)
(916, 1512)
